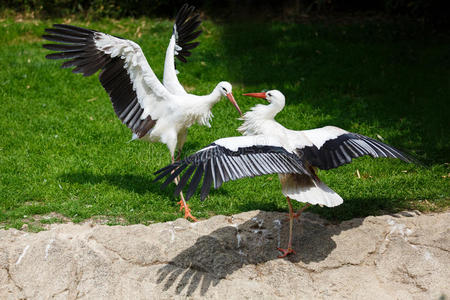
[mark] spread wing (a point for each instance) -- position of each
(330, 147)
(138, 97)
(180, 46)
(230, 159)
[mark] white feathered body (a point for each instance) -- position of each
(303, 188)
(173, 109)
(154, 111)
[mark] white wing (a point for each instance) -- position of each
(186, 23)
(138, 97)
(330, 147)
(230, 159)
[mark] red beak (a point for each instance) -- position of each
(256, 95)
(231, 98)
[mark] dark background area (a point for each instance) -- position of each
(428, 12)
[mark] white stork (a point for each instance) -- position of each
(153, 111)
(268, 147)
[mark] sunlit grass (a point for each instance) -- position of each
(63, 150)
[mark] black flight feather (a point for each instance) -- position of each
(195, 181)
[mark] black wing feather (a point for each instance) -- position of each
(219, 164)
(184, 179)
(78, 44)
(165, 171)
(64, 55)
(64, 38)
(207, 181)
(195, 181)
(64, 47)
(186, 22)
(173, 176)
(74, 29)
(342, 149)
(67, 33)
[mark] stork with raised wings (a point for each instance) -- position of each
(268, 147)
(153, 111)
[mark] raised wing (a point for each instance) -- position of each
(180, 46)
(230, 159)
(330, 147)
(138, 97)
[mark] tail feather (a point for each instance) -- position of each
(304, 189)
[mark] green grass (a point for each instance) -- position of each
(63, 150)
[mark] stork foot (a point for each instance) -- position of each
(187, 211)
(294, 216)
(299, 212)
(285, 252)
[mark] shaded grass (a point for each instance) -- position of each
(62, 149)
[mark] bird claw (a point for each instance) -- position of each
(181, 204)
(294, 216)
(298, 213)
(285, 252)
(189, 215)
(187, 211)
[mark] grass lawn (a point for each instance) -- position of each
(63, 150)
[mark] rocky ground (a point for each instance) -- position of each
(402, 256)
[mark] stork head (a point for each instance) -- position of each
(274, 97)
(225, 89)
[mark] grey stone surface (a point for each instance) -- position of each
(402, 256)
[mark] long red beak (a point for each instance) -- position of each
(256, 95)
(231, 98)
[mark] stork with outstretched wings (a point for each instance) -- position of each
(268, 147)
(153, 111)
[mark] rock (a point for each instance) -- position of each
(401, 256)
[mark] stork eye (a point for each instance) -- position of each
(269, 95)
(224, 89)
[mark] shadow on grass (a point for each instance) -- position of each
(134, 183)
(219, 254)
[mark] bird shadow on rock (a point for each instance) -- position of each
(224, 250)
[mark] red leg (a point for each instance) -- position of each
(182, 202)
(289, 249)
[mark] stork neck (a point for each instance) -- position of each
(202, 104)
(267, 112)
(214, 97)
(275, 109)
(200, 108)
(206, 102)
(260, 119)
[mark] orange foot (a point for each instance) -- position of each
(187, 211)
(285, 252)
